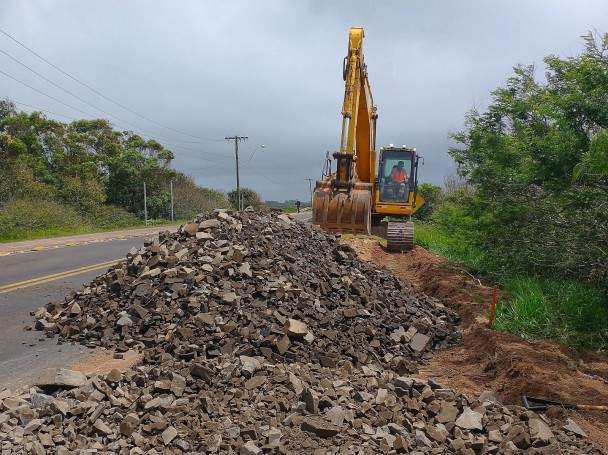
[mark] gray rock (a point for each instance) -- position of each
(447, 413)
(319, 428)
(249, 365)
(539, 431)
(335, 415)
(311, 399)
(419, 342)
(60, 378)
(169, 435)
(249, 448)
(572, 427)
(274, 437)
(470, 420)
(213, 224)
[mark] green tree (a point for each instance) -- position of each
(140, 161)
(535, 159)
(433, 197)
(249, 197)
(191, 199)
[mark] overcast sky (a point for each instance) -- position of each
(272, 71)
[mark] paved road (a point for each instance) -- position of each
(24, 353)
(304, 216)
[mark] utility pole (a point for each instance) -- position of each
(172, 220)
(310, 188)
(145, 205)
(236, 140)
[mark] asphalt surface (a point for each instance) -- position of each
(304, 216)
(24, 353)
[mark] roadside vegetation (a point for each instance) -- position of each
(70, 178)
(529, 206)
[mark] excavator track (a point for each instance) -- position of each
(400, 236)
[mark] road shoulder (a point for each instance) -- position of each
(27, 246)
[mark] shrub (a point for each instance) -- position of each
(114, 217)
(22, 218)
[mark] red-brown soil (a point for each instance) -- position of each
(102, 362)
(488, 360)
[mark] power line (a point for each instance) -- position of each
(104, 96)
(48, 96)
(199, 151)
(37, 109)
(92, 105)
(204, 159)
(203, 168)
(92, 116)
(251, 168)
(182, 153)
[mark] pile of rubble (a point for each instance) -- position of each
(253, 284)
(260, 335)
(250, 406)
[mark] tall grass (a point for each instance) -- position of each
(536, 308)
(35, 218)
(437, 241)
(572, 312)
(31, 218)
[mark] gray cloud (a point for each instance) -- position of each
(271, 70)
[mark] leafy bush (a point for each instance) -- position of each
(190, 199)
(113, 217)
(433, 197)
(249, 197)
(539, 172)
(86, 196)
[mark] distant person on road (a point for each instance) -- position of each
(298, 204)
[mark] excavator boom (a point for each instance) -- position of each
(342, 202)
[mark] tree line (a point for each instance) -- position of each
(530, 198)
(87, 175)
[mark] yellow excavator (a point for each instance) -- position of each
(367, 186)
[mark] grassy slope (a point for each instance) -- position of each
(537, 308)
(30, 219)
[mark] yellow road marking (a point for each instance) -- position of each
(56, 276)
(39, 248)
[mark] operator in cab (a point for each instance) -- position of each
(399, 179)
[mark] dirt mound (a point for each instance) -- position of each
(489, 360)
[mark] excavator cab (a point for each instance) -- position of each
(396, 199)
(394, 175)
(397, 182)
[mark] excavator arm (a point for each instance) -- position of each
(358, 110)
(342, 203)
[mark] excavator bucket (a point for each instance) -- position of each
(345, 210)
